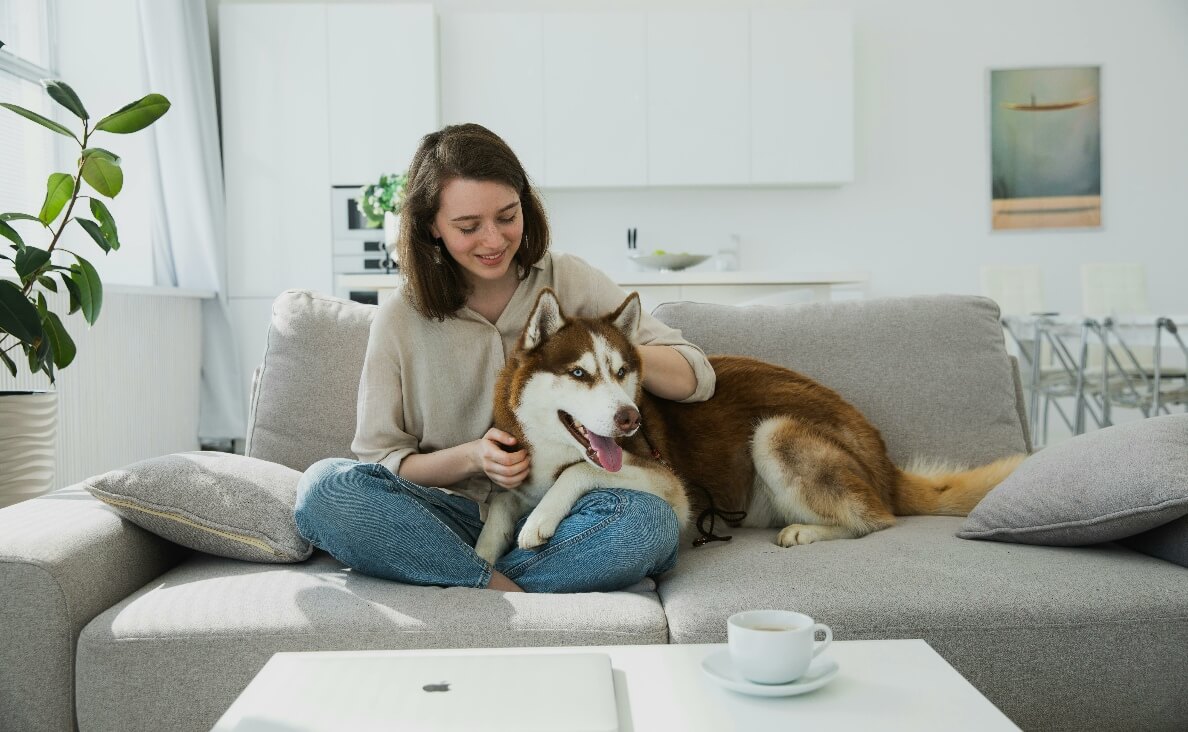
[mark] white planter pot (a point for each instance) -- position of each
(28, 443)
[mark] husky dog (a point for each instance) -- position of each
(773, 443)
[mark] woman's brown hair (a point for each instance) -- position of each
(434, 284)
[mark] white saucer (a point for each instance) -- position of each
(719, 667)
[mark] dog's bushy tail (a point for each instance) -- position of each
(938, 490)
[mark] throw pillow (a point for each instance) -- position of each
(215, 502)
(1099, 486)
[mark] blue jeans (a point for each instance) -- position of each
(382, 525)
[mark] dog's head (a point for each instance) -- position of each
(574, 382)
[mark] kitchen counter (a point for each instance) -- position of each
(726, 288)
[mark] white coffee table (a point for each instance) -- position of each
(881, 684)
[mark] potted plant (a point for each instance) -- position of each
(30, 332)
(380, 204)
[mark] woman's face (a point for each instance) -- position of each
(482, 225)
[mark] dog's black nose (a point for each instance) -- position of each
(627, 419)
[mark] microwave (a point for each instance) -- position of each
(358, 246)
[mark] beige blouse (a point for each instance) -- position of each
(429, 385)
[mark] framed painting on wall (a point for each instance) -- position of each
(1045, 147)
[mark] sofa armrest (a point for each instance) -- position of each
(64, 558)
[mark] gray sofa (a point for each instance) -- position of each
(106, 626)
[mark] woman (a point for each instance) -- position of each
(473, 249)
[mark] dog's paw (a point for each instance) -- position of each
(537, 530)
(797, 534)
(489, 552)
(492, 545)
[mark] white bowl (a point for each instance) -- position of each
(669, 261)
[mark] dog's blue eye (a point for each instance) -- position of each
(577, 373)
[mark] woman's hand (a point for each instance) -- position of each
(495, 457)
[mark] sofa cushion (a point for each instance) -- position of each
(215, 502)
(306, 389)
(1058, 638)
(1099, 486)
(932, 373)
(198, 634)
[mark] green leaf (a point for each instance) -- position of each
(48, 283)
(8, 362)
(18, 317)
(90, 289)
(15, 216)
(75, 294)
(135, 116)
(103, 173)
(59, 188)
(88, 152)
(107, 222)
(61, 344)
(95, 232)
(43, 121)
(61, 93)
(29, 261)
(41, 358)
(11, 234)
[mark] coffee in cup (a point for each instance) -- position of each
(774, 646)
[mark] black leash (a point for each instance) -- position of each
(712, 514)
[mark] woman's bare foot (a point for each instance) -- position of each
(502, 583)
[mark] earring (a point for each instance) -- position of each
(438, 243)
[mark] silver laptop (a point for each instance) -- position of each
(358, 692)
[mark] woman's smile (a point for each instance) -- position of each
(492, 260)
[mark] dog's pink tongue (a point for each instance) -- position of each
(610, 455)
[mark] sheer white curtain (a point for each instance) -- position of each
(189, 248)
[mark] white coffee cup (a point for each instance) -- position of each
(774, 646)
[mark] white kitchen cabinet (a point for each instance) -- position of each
(595, 99)
(698, 72)
(492, 74)
(382, 61)
(802, 96)
(313, 95)
(275, 147)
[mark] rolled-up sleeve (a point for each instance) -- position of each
(590, 292)
(380, 435)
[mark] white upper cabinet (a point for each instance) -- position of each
(273, 75)
(802, 97)
(492, 74)
(382, 62)
(671, 98)
(595, 99)
(698, 71)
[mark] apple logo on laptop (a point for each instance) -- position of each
(440, 686)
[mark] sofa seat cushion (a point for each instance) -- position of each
(198, 634)
(1056, 637)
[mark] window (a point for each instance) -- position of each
(27, 149)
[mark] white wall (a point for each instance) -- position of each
(917, 215)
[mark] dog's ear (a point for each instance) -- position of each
(545, 320)
(626, 318)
